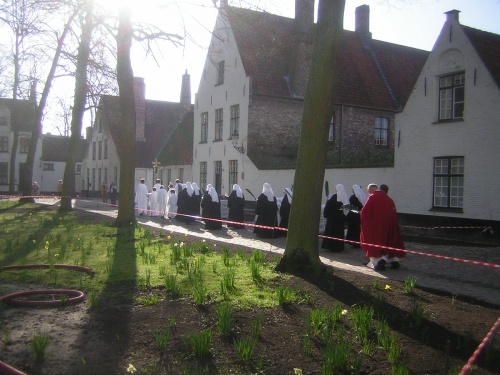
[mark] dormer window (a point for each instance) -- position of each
(220, 73)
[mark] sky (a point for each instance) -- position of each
(413, 23)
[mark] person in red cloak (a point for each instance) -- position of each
(380, 226)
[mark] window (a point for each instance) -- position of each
(381, 131)
(203, 175)
(4, 173)
(181, 174)
(48, 166)
(451, 96)
(235, 120)
(449, 182)
(4, 144)
(331, 129)
(3, 121)
(105, 149)
(204, 127)
(93, 150)
(169, 175)
(24, 145)
(78, 168)
(233, 173)
(220, 73)
(93, 179)
(115, 176)
(99, 179)
(218, 124)
(100, 150)
(106, 176)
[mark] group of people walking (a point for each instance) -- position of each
(370, 220)
(184, 200)
(359, 219)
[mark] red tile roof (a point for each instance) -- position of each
(487, 46)
(162, 118)
(376, 74)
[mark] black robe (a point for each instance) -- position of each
(182, 206)
(235, 205)
(212, 210)
(204, 205)
(267, 215)
(335, 224)
(354, 221)
(284, 215)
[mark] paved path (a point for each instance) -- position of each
(457, 278)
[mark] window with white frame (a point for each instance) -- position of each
(93, 150)
(451, 96)
(233, 173)
(448, 182)
(204, 127)
(219, 123)
(181, 174)
(235, 120)
(203, 175)
(4, 144)
(220, 73)
(105, 149)
(4, 173)
(381, 131)
(24, 145)
(100, 150)
(78, 168)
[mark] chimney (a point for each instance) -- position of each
(452, 15)
(186, 91)
(362, 23)
(304, 13)
(140, 108)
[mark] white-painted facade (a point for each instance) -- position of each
(475, 138)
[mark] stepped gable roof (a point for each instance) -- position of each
(487, 46)
(56, 148)
(370, 75)
(161, 120)
(178, 149)
(22, 113)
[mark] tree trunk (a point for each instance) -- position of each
(126, 153)
(82, 60)
(301, 249)
(37, 128)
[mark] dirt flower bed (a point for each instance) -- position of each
(435, 333)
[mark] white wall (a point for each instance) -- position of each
(476, 138)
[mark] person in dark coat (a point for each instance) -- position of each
(213, 210)
(236, 203)
(267, 212)
(205, 199)
(182, 202)
(357, 200)
(189, 199)
(335, 220)
(286, 203)
(197, 199)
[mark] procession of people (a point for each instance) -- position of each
(360, 220)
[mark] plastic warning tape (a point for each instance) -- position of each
(467, 261)
(478, 350)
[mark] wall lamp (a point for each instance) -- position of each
(240, 149)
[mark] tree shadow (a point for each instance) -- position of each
(110, 319)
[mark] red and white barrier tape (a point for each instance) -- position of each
(474, 355)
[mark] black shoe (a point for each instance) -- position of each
(380, 266)
(395, 265)
(142, 213)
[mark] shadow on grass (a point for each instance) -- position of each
(111, 314)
